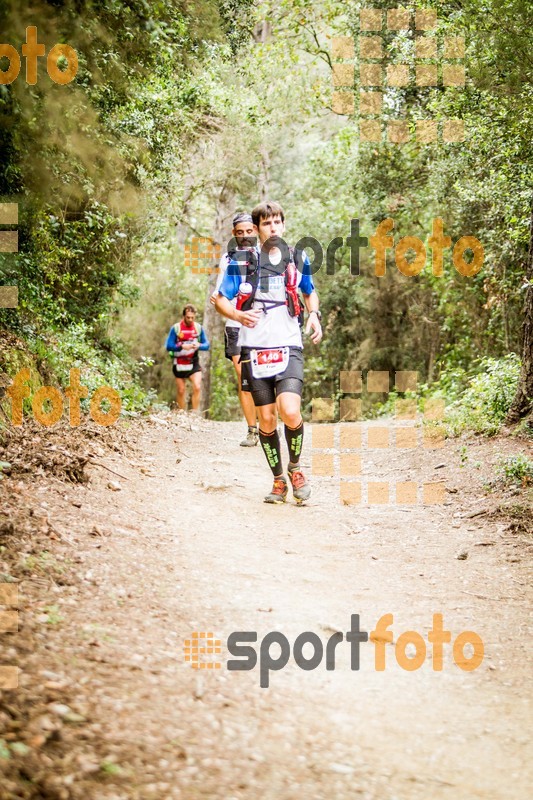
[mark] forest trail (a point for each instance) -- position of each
(188, 545)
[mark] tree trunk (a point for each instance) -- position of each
(431, 361)
(523, 401)
(262, 32)
(213, 322)
(261, 35)
(264, 175)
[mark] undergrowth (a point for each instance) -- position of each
(51, 357)
(517, 469)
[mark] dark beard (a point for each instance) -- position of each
(247, 241)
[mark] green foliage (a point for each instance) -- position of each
(237, 20)
(73, 269)
(86, 162)
(484, 404)
(438, 326)
(516, 469)
(54, 617)
(224, 396)
(75, 349)
(4, 465)
(112, 769)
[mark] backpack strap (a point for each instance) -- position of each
(291, 283)
(252, 277)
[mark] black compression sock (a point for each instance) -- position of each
(294, 437)
(271, 448)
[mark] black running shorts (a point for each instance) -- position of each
(187, 374)
(231, 337)
(265, 390)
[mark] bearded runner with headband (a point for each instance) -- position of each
(243, 236)
(265, 281)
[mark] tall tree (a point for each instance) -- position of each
(523, 402)
(213, 322)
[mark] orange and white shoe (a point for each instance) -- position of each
(279, 491)
(301, 490)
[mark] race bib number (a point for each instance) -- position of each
(266, 363)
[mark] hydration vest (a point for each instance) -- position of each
(185, 334)
(292, 300)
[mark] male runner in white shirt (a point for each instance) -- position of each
(271, 341)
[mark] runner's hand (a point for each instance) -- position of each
(249, 318)
(313, 323)
(213, 298)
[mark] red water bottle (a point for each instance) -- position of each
(245, 291)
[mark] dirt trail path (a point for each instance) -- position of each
(189, 546)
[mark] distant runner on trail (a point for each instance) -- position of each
(245, 236)
(265, 281)
(184, 341)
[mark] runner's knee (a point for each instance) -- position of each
(290, 410)
(267, 420)
(292, 418)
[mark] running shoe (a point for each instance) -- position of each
(301, 490)
(279, 491)
(252, 438)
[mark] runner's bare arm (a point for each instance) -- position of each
(247, 318)
(313, 322)
(222, 266)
